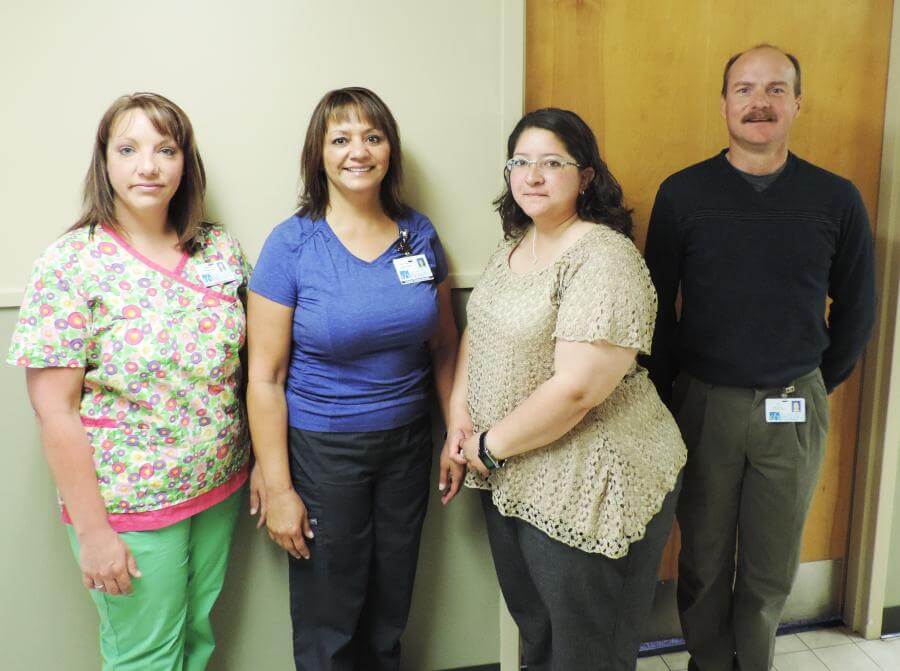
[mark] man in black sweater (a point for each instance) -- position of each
(755, 238)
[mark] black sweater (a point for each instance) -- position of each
(754, 269)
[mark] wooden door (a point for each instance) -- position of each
(646, 75)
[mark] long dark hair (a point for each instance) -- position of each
(337, 105)
(186, 206)
(600, 202)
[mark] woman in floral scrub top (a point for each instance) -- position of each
(130, 330)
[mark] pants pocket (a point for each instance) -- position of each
(679, 392)
(690, 413)
(813, 433)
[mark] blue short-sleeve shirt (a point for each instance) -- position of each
(360, 358)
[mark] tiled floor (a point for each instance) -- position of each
(819, 650)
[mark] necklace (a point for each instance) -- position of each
(534, 231)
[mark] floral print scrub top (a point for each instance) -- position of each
(160, 351)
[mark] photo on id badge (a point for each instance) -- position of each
(214, 273)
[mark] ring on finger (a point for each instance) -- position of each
(99, 586)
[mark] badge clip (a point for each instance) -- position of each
(404, 247)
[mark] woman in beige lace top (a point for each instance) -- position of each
(577, 458)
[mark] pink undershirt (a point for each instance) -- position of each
(157, 519)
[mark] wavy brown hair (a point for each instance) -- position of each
(338, 105)
(601, 201)
(186, 206)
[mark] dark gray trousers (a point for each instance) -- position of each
(366, 494)
(576, 611)
(748, 484)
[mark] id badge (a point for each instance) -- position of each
(781, 410)
(215, 272)
(413, 269)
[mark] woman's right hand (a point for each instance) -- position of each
(107, 564)
(258, 494)
(288, 522)
(452, 473)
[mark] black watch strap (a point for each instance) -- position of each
(489, 460)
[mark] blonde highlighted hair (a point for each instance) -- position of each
(186, 206)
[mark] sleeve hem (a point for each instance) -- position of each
(40, 363)
(281, 300)
(620, 340)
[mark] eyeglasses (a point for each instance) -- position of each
(544, 165)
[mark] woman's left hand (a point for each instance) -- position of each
(258, 495)
(470, 450)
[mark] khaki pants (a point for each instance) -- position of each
(747, 484)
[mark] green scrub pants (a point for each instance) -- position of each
(747, 486)
(163, 625)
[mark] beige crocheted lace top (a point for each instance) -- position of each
(596, 487)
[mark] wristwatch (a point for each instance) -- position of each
(490, 462)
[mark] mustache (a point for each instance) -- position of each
(759, 115)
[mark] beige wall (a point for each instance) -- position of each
(248, 74)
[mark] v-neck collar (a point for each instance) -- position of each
(329, 231)
(177, 274)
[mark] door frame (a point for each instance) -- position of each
(878, 448)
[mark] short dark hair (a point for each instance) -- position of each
(789, 56)
(601, 201)
(335, 106)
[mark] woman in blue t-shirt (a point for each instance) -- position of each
(349, 321)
